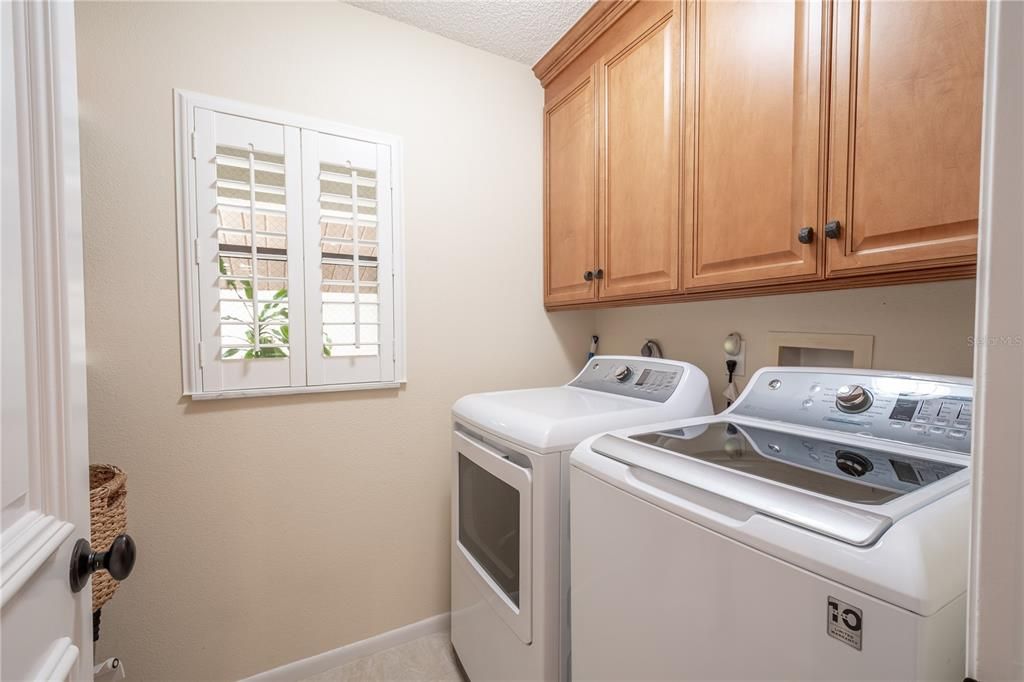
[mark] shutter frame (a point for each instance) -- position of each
(199, 379)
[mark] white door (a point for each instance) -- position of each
(46, 628)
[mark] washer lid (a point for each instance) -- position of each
(556, 418)
(838, 470)
(792, 478)
(749, 493)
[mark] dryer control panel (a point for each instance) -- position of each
(928, 411)
(646, 378)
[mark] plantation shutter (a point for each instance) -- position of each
(347, 205)
(249, 253)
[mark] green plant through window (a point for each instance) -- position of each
(273, 321)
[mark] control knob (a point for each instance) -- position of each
(853, 398)
(852, 463)
(622, 373)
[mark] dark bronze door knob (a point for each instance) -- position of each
(118, 561)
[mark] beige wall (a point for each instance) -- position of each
(920, 327)
(274, 529)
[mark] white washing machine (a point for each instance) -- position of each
(510, 521)
(815, 530)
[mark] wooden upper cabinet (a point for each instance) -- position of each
(754, 142)
(640, 157)
(709, 148)
(570, 194)
(906, 134)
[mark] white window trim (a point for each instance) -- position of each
(185, 103)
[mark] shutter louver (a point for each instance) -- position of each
(252, 228)
(349, 259)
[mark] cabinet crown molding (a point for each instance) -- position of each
(583, 33)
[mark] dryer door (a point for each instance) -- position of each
(493, 529)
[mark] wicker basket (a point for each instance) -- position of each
(108, 491)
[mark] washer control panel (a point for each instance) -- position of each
(918, 410)
(644, 378)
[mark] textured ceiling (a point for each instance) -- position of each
(522, 30)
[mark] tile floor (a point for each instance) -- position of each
(426, 658)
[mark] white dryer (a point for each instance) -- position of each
(815, 530)
(510, 567)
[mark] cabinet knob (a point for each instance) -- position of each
(832, 230)
(588, 275)
(599, 274)
(805, 235)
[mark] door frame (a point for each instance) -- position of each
(49, 193)
(995, 591)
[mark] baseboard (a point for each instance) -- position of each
(314, 665)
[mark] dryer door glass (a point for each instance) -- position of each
(489, 524)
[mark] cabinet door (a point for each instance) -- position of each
(639, 245)
(755, 142)
(570, 195)
(906, 134)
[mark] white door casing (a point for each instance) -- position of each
(995, 630)
(46, 628)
